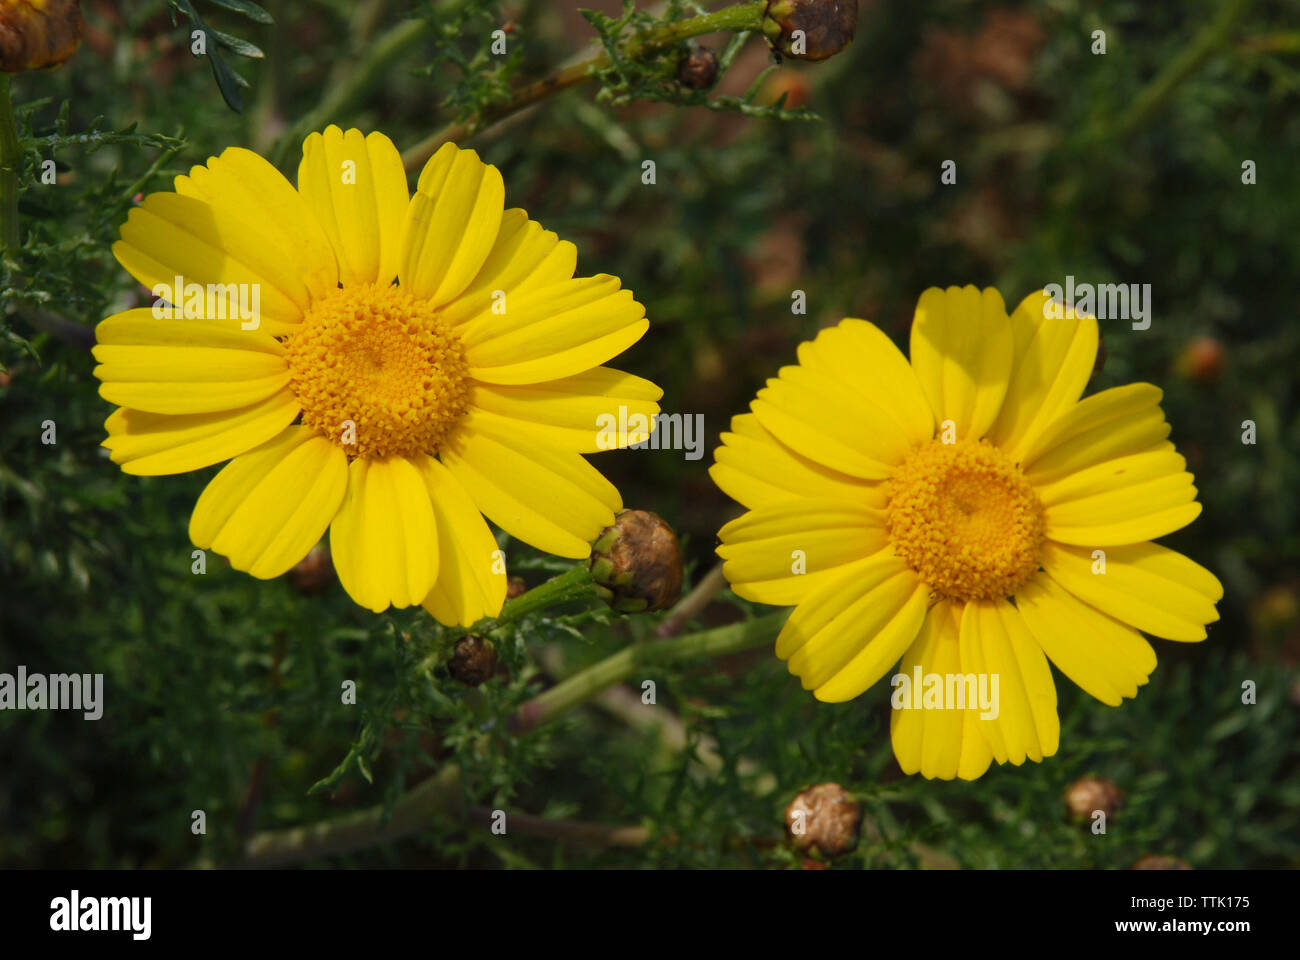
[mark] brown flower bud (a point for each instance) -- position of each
(1087, 795)
(697, 68)
(515, 587)
(473, 660)
(824, 818)
(810, 29)
(38, 33)
(637, 562)
(314, 573)
(1159, 861)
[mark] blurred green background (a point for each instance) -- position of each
(222, 692)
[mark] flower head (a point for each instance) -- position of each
(967, 514)
(387, 366)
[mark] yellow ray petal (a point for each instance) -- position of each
(265, 209)
(524, 257)
(599, 409)
(551, 499)
(756, 469)
(267, 508)
(384, 538)
(554, 332)
(356, 187)
(780, 553)
(1022, 722)
(858, 355)
(1145, 585)
(451, 225)
(1103, 656)
(1115, 423)
(471, 580)
(938, 744)
(1049, 375)
(962, 349)
(152, 444)
(845, 634)
(1121, 501)
(185, 366)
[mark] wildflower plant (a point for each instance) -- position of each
(366, 581)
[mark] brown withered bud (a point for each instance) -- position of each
(1159, 861)
(824, 818)
(473, 660)
(698, 68)
(810, 29)
(515, 587)
(1087, 795)
(314, 573)
(637, 562)
(38, 33)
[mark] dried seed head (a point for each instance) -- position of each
(698, 68)
(637, 562)
(1087, 795)
(810, 29)
(473, 660)
(824, 818)
(38, 33)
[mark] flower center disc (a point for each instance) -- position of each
(378, 372)
(966, 519)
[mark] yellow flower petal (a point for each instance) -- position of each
(848, 632)
(471, 580)
(996, 643)
(780, 553)
(452, 224)
(554, 332)
(1145, 585)
(600, 409)
(384, 538)
(260, 206)
(267, 508)
(185, 366)
(551, 499)
(525, 257)
(938, 744)
(1103, 656)
(1114, 423)
(356, 187)
(859, 355)
(152, 444)
(1049, 375)
(1125, 500)
(962, 349)
(756, 469)
(823, 418)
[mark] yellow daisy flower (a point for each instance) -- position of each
(394, 414)
(965, 513)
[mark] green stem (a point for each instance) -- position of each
(742, 16)
(574, 584)
(10, 160)
(1157, 93)
(414, 809)
(582, 686)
